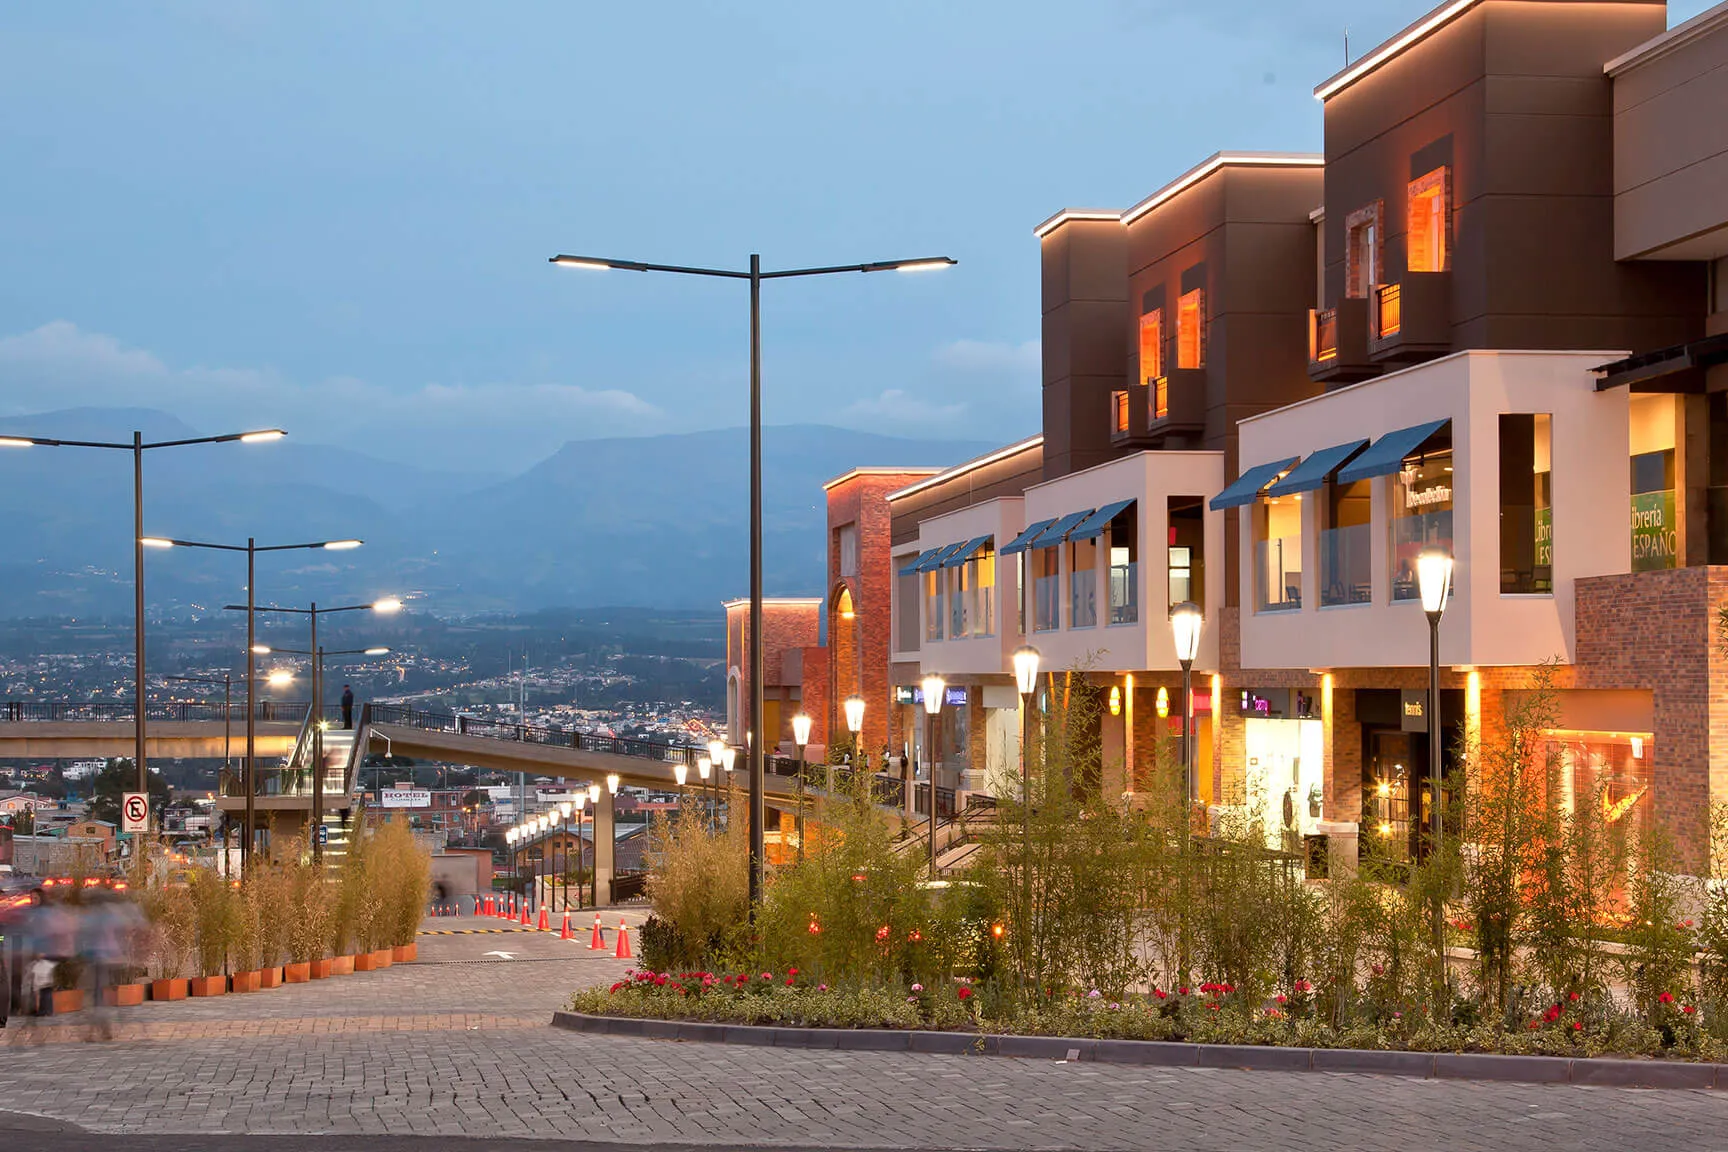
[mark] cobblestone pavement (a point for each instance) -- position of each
(455, 1045)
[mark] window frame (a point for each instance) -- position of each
(1191, 340)
(1435, 185)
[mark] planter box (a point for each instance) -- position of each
(171, 989)
(123, 995)
(71, 1000)
(341, 965)
(365, 961)
(270, 978)
(209, 985)
(300, 973)
(381, 958)
(405, 953)
(247, 981)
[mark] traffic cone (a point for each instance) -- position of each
(524, 921)
(564, 932)
(543, 925)
(598, 943)
(623, 950)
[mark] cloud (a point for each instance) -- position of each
(900, 413)
(481, 426)
(990, 356)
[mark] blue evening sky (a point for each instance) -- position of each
(336, 216)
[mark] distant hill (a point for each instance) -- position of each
(655, 521)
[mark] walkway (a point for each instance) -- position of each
(456, 1045)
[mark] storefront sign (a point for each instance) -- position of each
(1544, 537)
(1428, 497)
(1275, 703)
(952, 698)
(1655, 534)
(406, 798)
(1413, 710)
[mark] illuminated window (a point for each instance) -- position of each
(1160, 398)
(1362, 250)
(1427, 222)
(1190, 339)
(1152, 346)
(1119, 411)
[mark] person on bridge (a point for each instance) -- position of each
(347, 706)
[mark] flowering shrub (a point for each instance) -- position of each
(774, 998)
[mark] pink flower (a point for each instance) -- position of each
(1094, 994)
(821, 987)
(917, 987)
(767, 976)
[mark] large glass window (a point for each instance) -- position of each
(933, 588)
(1421, 511)
(1526, 508)
(956, 580)
(1185, 551)
(1346, 572)
(1046, 589)
(906, 612)
(1190, 329)
(1277, 553)
(1655, 526)
(1426, 236)
(981, 592)
(1151, 345)
(1020, 592)
(1083, 584)
(1121, 539)
(1362, 250)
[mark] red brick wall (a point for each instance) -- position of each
(785, 626)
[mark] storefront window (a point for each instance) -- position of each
(1121, 538)
(1386, 796)
(1346, 573)
(957, 622)
(1046, 590)
(1655, 527)
(1285, 778)
(1526, 505)
(933, 582)
(972, 597)
(1421, 512)
(1083, 585)
(1277, 553)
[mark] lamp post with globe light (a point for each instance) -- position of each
(1434, 584)
(1026, 661)
(801, 739)
(594, 843)
(854, 709)
(1186, 622)
(934, 688)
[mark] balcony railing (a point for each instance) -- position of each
(1046, 603)
(264, 711)
(1411, 320)
(1125, 594)
(1083, 599)
(1278, 574)
(1322, 335)
(1346, 572)
(1338, 343)
(1388, 300)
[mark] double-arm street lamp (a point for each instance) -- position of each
(251, 548)
(755, 276)
(138, 447)
(386, 606)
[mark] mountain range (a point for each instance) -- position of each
(655, 521)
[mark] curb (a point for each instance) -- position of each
(1594, 1072)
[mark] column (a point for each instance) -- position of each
(603, 844)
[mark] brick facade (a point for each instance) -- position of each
(788, 628)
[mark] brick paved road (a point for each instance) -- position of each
(439, 1053)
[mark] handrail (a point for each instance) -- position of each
(66, 711)
(531, 734)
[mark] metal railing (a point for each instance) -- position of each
(1323, 335)
(21, 711)
(463, 725)
(944, 801)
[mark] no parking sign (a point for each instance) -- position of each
(135, 812)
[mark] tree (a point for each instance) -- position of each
(120, 777)
(23, 822)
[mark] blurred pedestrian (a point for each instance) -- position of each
(347, 706)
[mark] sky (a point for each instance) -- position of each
(336, 217)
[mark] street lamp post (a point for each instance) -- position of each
(1434, 582)
(934, 688)
(1186, 622)
(716, 758)
(251, 548)
(854, 709)
(386, 606)
(728, 757)
(755, 276)
(594, 844)
(1026, 661)
(801, 738)
(138, 447)
(680, 773)
(705, 768)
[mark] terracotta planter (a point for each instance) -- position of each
(405, 953)
(341, 965)
(270, 978)
(123, 995)
(300, 973)
(71, 1000)
(209, 985)
(365, 961)
(246, 981)
(320, 969)
(381, 958)
(172, 989)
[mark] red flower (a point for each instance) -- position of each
(791, 980)
(791, 971)
(1577, 1027)
(1183, 991)
(1552, 1014)
(1304, 986)
(767, 975)
(1666, 998)
(616, 986)
(659, 981)
(1573, 996)
(1160, 993)
(882, 932)
(1281, 998)
(1689, 1009)
(964, 993)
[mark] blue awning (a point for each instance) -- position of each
(1058, 531)
(1248, 485)
(1386, 455)
(920, 562)
(1093, 526)
(966, 551)
(1312, 472)
(942, 556)
(1024, 541)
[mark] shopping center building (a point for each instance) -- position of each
(1491, 317)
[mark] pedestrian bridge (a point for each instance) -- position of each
(31, 729)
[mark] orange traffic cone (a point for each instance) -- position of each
(598, 943)
(623, 950)
(564, 932)
(543, 925)
(524, 921)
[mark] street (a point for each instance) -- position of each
(457, 1046)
